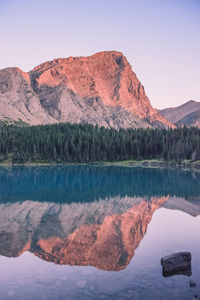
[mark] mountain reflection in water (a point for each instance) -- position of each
(91, 230)
(102, 234)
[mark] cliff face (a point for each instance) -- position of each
(100, 89)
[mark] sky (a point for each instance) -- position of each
(160, 38)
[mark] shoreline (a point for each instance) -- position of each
(154, 163)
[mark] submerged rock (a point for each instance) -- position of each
(177, 264)
(192, 283)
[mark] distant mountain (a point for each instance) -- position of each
(100, 89)
(192, 119)
(187, 114)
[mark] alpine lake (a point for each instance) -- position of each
(97, 232)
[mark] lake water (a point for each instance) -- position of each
(93, 232)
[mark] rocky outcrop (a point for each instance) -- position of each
(187, 114)
(177, 264)
(100, 89)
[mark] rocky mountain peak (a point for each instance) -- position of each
(99, 89)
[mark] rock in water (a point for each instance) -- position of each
(177, 264)
(192, 283)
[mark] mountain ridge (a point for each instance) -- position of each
(100, 89)
(186, 114)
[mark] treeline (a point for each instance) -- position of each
(79, 143)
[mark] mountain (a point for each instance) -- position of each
(192, 119)
(100, 89)
(186, 114)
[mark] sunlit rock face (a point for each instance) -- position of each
(100, 89)
(102, 234)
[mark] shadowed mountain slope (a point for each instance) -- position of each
(187, 114)
(192, 119)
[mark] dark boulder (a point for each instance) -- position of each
(177, 264)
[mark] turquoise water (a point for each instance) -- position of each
(92, 232)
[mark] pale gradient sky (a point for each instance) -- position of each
(160, 38)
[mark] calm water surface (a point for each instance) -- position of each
(90, 232)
